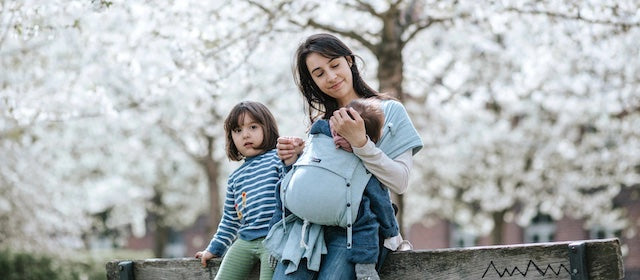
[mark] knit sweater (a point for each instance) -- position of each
(249, 202)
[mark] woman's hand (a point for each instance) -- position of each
(204, 256)
(289, 147)
(352, 129)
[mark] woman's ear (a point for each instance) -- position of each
(349, 60)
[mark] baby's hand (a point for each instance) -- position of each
(342, 143)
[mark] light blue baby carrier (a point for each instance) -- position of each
(324, 175)
(327, 185)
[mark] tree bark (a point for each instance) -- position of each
(211, 167)
(498, 226)
(390, 62)
(389, 54)
(161, 231)
(161, 240)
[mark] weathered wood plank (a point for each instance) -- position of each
(170, 269)
(525, 261)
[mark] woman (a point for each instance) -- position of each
(328, 78)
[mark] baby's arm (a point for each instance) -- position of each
(392, 173)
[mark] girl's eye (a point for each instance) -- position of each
(335, 66)
(236, 130)
(254, 127)
(319, 75)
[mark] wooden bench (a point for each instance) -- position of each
(577, 260)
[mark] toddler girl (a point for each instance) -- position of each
(249, 204)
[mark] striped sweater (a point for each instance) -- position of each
(249, 202)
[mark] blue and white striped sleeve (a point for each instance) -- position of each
(228, 226)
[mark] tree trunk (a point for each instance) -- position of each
(161, 231)
(161, 240)
(389, 54)
(390, 69)
(390, 61)
(212, 168)
(498, 226)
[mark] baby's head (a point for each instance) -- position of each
(371, 112)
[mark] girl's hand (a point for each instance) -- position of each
(289, 147)
(352, 129)
(204, 256)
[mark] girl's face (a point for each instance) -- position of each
(247, 136)
(333, 76)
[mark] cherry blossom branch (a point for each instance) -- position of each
(576, 16)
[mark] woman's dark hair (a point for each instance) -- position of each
(261, 115)
(320, 105)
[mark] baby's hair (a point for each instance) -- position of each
(261, 115)
(371, 112)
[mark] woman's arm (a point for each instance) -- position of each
(393, 173)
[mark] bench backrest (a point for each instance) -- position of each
(576, 260)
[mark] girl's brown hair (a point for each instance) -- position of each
(261, 115)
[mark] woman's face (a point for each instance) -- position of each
(333, 77)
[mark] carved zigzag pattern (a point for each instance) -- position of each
(531, 265)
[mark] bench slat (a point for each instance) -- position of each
(524, 261)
